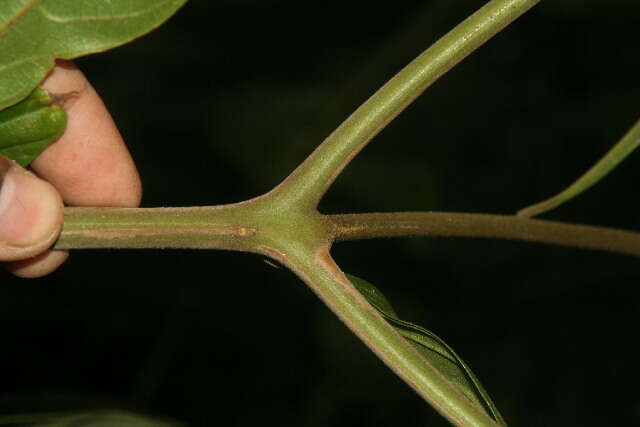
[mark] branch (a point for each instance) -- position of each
(285, 225)
(315, 266)
(307, 184)
(406, 224)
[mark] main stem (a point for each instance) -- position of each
(236, 227)
(285, 224)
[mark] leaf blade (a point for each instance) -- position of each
(35, 32)
(30, 126)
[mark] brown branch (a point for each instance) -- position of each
(407, 224)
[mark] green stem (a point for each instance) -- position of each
(606, 164)
(448, 224)
(308, 183)
(316, 267)
(244, 228)
(249, 226)
(212, 227)
(285, 225)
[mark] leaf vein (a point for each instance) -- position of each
(18, 16)
(96, 18)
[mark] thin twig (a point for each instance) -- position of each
(606, 164)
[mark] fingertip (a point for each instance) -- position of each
(31, 213)
(38, 266)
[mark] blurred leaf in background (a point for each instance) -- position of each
(102, 418)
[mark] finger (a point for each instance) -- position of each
(38, 266)
(31, 213)
(90, 164)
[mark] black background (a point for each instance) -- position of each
(227, 98)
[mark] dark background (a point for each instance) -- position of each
(228, 97)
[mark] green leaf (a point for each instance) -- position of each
(432, 348)
(99, 418)
(30, 126)
(606, 164)
(35, 32)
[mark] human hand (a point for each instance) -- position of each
(88, 166)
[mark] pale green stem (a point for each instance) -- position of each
(234, 227)
(285, 225)
(606, 164)
(308, 183)
(249, 226)
(324, 277)
(302, 242)
(213, 227)
(449, 224)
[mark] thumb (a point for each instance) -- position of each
(31, 213)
